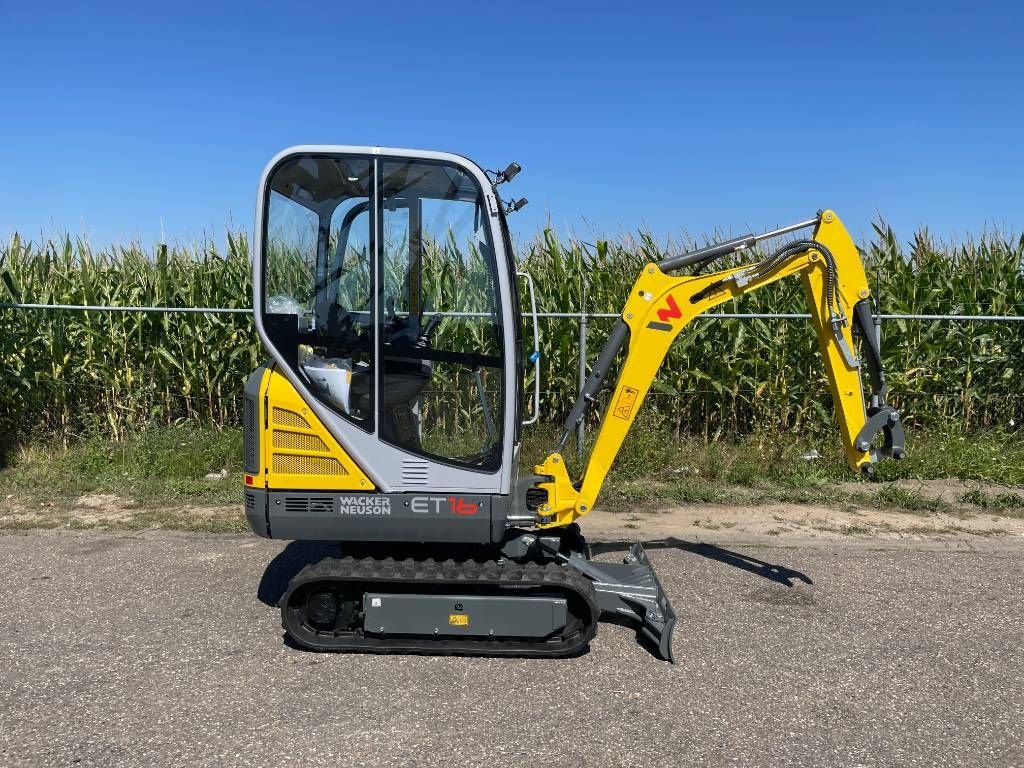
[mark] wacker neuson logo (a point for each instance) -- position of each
(364, 505)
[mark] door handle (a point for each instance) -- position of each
(535, 355)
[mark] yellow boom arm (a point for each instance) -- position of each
(661, 305)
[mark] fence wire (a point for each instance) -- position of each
(582, 320)
(568, 315)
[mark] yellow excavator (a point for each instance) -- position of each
(390, 413)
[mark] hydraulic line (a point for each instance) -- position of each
(766, 267)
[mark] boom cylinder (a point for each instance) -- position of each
(618, 337)
(718, 250)
(707, 254)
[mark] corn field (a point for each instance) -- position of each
(737, 376)
(65, 373)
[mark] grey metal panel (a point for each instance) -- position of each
(463, 615)
(500, 508)
(252, 417)
(412, 517)
(380, 461)
(256, 511)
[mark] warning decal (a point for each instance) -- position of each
(626, 401)
(458, 620)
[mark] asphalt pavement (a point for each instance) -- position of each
(162, 649)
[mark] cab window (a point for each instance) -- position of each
(319, 278)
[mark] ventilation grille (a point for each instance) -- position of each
(296, 505)
(415, 472)
(288, 464)
(296, 441)
(250, 502)
(307, 462)
(249, 438)
(305, 505)
(286, 418)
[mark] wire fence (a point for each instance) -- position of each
(529, 315)
(584, 337)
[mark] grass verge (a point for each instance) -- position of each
(158, 477)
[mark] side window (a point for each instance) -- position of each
(291, 242)
(318, 278)
(396, 273)
(442, 383)
(351, 259)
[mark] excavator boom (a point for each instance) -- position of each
(660, 305)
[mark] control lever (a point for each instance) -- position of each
(434, 321)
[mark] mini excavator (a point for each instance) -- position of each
(389, 415)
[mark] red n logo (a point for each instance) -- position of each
(672, 313)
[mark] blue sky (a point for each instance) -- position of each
(124, 121)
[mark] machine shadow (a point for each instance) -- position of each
(780, 574)
(289, 561)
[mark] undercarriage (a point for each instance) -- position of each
(545, 601)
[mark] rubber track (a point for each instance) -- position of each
(372, 574)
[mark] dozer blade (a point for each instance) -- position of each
(659, 624)
(631, 591)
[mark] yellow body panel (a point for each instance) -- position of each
(297, 451)
(670, 303)
(562, 496)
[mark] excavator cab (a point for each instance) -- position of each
(388, 415)
(385, 295)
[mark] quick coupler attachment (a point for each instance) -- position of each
(884, 419)
(630, 591)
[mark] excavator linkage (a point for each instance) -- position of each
(661, 304)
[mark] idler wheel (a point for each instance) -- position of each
(322, 610)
